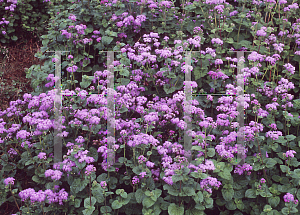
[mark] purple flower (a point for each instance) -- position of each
(142, 174)
(42, 155)
(288, 197)
(261, 33)
(262, 180)
(72, 68)
(289, 67)
(12, 152)
(168, 180)
(55, 174)
(217, 41)
(142, 159)
(135, 180)
(103, 184)
(24, 194)
(90, 169)
(9, 180)
(37, 196)
(233, 13)
(72, 17)
(209, 181)
(290, 153)
(218, 61)
(150, 164)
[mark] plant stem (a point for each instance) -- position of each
(90, 193)
(14, 197)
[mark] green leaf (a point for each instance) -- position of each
(281, 140)
(118, 191)
(103, 209)
(78, 58)
(200, 207)
(227, 194)
(29, 162)
(116, 205)
(198, 73)
(157, 193)
(45, 42)
(169, 89)
(148, 202)
(290, 137)
(125, 61)
(194, 211)
(97, 193)
(284, 168)
(106, 40)
(229, 40)
(274, 201)
(77, 185)
(296, 173)
(36, 179)
(89, 210)
(239, 204)
(80, 165)
(123, 110)
(230, 205)
(199, 197)
(225, 174)
(188, 191)
(171, 190)
(270, 162)
(176, 178)
(250, 194)
(245, 43)
(14, 38)
(293, 210)
(87, 201)
(102, 177)
(123, 195)
(124, 72)
(77, 203)
(211, 152)
(85, 84)
(285, 211)
(125, 81)
(173, 209)
(87, 69)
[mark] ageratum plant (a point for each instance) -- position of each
(18, 18)
(150, 174)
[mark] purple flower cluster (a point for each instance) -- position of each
(290, 153)
(135, 180)
(103, 184)
(40, 196)
(55, 174)
(90, 169)
(9, 180)
(42, 155)
(262, 180)
(239, 169)
(288, 197)
(209, 183)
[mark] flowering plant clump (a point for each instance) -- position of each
(159, 150)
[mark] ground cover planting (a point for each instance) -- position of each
(133, 79)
